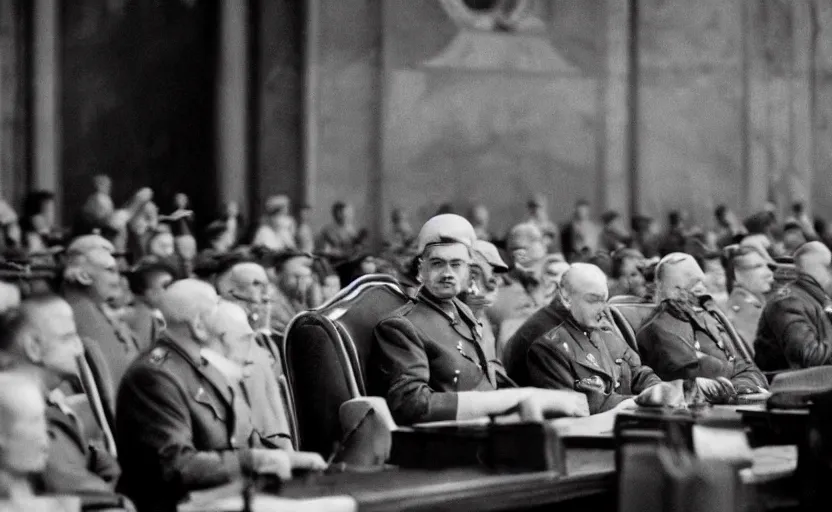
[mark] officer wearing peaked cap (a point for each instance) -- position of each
(428, 357)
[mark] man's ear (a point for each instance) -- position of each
(84, 277)
(565, 299)
(32, 348)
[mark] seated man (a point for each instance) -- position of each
(428, 354)
(24, 444)
(751, 279)
(795, 330)
(483, 291)
(148, 281)
(580, 351)
(42, 332)
(180, 426)
(682, 339)
(294, 290)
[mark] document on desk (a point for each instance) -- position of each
(223, 502)
(597, 425)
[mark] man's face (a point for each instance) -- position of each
(157, 282)
(162, 245)
(58, 339)
(480, 215)
(632, 280)
(444, 270)
(589, 303)
(683, 280)
(25, 444)
(344, 215)
(295, 277)
(753, 273)
(552, 273)
(102, 268)
(103, 185)
(582, 211)
(526, 251)
(792, 239)
(483, 289)
(235, 333)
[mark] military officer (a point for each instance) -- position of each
(795, 330)
(683, 339)
(428, 356)
(180, 426)
(753, 277)
(581, 352)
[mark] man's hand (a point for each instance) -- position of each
(670, 394)
(716, 391)
(272, 462)
(541, 403)
(307, 460)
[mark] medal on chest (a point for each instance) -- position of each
(592, 360)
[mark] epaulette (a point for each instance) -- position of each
(158, 355)
(551, 334)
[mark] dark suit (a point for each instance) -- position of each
(179, 427)
(422, 357)
(114, 338)
(795, 330)
(679, 342)
(597, 363)
(75, 467)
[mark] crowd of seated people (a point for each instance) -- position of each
(183, 338)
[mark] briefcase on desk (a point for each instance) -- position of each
(519, 446)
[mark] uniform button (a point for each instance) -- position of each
(233, 442)
(617, 384)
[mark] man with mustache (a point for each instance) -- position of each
(428, 359)
(684, 340)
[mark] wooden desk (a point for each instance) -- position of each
(590, 473)
(591, 477)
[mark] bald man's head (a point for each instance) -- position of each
(815, 260)
(188, 306)
(247, 285)
(679, 277)
(584, 293)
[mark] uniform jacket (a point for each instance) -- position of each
(514, 353)
(795, 330)
(744, 309)
(177, 427)
(74, 466)
(679, 343)
(115, 339)
(597, 363)
(422, 358)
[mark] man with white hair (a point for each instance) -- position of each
(684, 339)
(428, 357)
(180, 426)
(24, 443)
(91, 280)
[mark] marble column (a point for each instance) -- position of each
(46, 108)
(232, 103)
(616, 149)
(799, 181)
(311, 89)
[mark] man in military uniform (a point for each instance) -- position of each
(42, 332)
(753, 278)
(428, 354)
(180, 426)
(795, 329)
(683, 339)
(580, 351)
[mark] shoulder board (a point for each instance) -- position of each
(158, 355)
(551, 334)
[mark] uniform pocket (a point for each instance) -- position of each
(208, 401)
